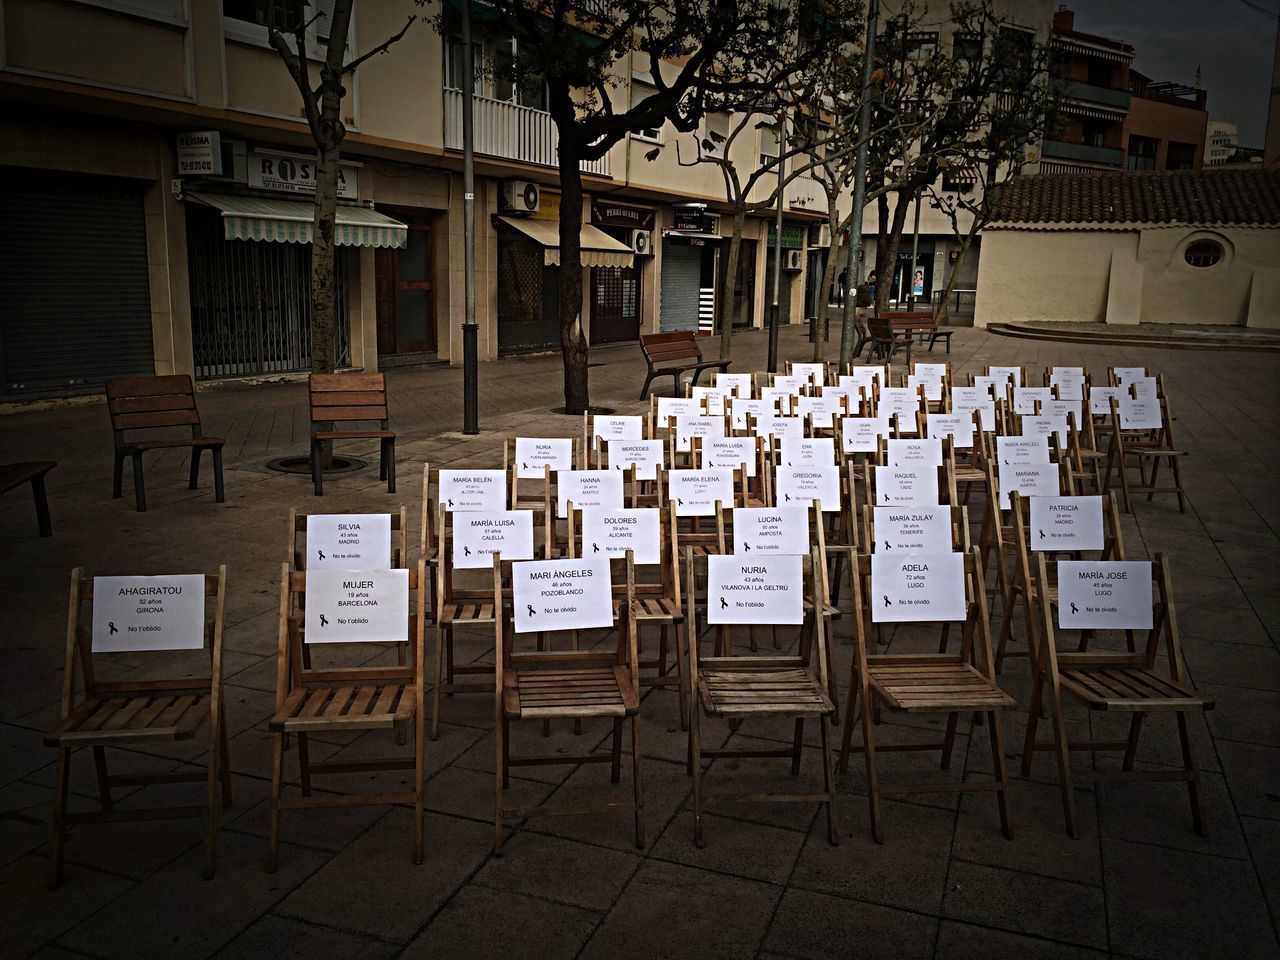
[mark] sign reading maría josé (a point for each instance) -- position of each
(917, 586)
(562, 594)
(1104, 594)
(148, 613)
(348, 541)
(755, 589)
(357, 606)
(478, 536)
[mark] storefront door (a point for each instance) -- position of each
(615, 304)
(405, 295)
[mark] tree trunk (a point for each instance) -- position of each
(730, 282)
(890, 240)
(573, 342)
(323, 353)
(828, 280)
(965, 243)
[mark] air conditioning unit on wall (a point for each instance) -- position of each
(641, 243)
(520, 196)
(793, 261)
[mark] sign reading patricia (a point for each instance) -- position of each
(755, 590)
(357, 606)
(562, 594)
(1066, 523)
(348, 541)
(296, 173)
(148, 613)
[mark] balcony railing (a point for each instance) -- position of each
(1092, 93)
(1083, 153)
(510, 132)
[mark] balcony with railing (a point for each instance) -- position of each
(1083, 153)
(509, 131)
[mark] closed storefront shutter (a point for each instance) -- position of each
(681, 279)
(75, 305)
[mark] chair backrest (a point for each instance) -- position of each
(1112, 535)
(348, 396)
(957, 520)
(80, 654)
(296, 547)
(665, 580)
(138, 403)
(676, 345)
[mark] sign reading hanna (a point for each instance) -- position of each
(562, 594)
(296, 173)
(148, 613)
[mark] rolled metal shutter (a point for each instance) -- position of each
(681, 279)
(73, 282)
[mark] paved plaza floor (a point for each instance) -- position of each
(1139, 882)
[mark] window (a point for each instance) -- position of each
(1013, 51)
(1099, 73)
(282, 15)
(967, 47)
(716, 134)
(768, 145)
(1203, 253)
(453, 72)
(922, 45)
(526, 91)
(1093, 133)
(1142, 153)
(641, 88)
(1180, 156)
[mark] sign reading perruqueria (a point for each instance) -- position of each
(767, 590)
(562, 594)
(148, 613)
(1104, 594)
(357, 606)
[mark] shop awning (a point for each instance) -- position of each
(598, 248)
(289, 221)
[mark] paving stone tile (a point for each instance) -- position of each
(1253, 776)
(812, 925)
(24, 819)
(1160, 813)
(1264, 847)
(1239, 713)
(1232, 664)
(32, 915)
(1026, 903)
(578, 874)
(465, 927)
(740, 847)
(284, 938)
(1168, 904)
(963, 941)
(676, 911)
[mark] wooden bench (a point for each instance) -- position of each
(351, 397)
(672, 354)
(16, 474)
(146, 403)
(920, 324)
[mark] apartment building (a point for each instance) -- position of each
(1221, 140)
(1167, 125)
(155, 182)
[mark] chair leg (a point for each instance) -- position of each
(224, 762)
(615, 766)
(317, 475)
(635, 778)
(419, 773)
(57, 831)
(212, 778)
(104, 785)
(219, 493)
(1193, 784)
(194, 480)
(949, 739)
(1131, 750)
(435, 689)
(695, 745)
(1063, 749)
(873, 779)
(1177, 481)
(644, 391)
(506, 755)
(139, 485)
(1033, 719)
(117, 476)
(304, 764)
(277, 777)
(391, 466)
(828, 780)
(500, 731)
(797, 742)
(43, 522)
(1001, 765)
(846, 738)
(682, 686)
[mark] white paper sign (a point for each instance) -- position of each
(644, 455)
(797, 485)
(913, 529)
(1042, 426)
(357, 606)
(730, 453)
(859, 434)
(904, 486)
(1021, 450)
(473, 490)
(780, 427)
(1026, 398)
(965, 400)
(535, 454)
(909, 587)
(618, 428)
(954, 425)
(710, 399)
(790, 383)
(1141, 414)
(689, 427)
(781, 398)
(739, 384)
(1145, 388)
(931, 387)
(148, 613)
(771, 530)
(1011, 374)
(1065, 409)
(695, 492)
(756, 408)
(1100, 399)
(1028, 480)
(915, 453)
(562, 594)
(900, 402)
(937, 371)
(669, 407)
(808, 451)
(815, 373)
(1068, 381)
(588, 488)
(1066, 523)
(852, 396)
(613, 532)
(478, 536)
(755, 590)
(821, 411)
(348, 541)
(1126, 375)
(864, 377)
(1104, 595)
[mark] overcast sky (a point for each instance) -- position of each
(1232, 41)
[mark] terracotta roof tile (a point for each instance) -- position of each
(1192, 196)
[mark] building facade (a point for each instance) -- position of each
(1167, 125)
(1221, 139)
(155, 152)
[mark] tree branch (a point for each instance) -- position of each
(380, 48)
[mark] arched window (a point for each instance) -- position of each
(1203, 253)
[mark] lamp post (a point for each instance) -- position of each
(777, 245)
(470, 365)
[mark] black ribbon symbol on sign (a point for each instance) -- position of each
(746, 546)
(1074, 609)
(723, 605)
(466, 551)
(595, 548)
(319, 553)
(324, 621)
(887, 603)
(111, 626)
(532, 612)
(1041, 534)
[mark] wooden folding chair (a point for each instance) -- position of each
(1132, 449)
(1127, 682)
(929, 683)
(734, 687)
(341, 699)
(351, 398)
(131, 714)
(565, 684)
(1022, 585)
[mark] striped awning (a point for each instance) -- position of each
(598, 248)
(290, 221)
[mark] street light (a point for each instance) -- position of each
(470, 365)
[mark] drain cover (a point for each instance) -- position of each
(303, 465)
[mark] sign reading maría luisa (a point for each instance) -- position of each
(909, 587)
(611, 533)
(357, 606)
(730, 453)
(535, 454)
(919, 529)
(1104, 595)
(562, 594)
(770, 531)
(478, 536)
(148, 613)
(348, 541)
(473, 490)
(296, 173)
(1066, 523)
(755, 590)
